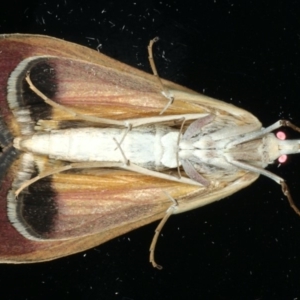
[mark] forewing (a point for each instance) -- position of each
(80, 77)
(70, 212)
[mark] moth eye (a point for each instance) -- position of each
(282, 159)
(281, 135)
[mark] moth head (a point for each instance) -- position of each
(279, 147)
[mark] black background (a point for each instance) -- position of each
(246, 246)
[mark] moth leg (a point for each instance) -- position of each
(40, 176)
(89, 165)
(287, 193)
(141, 170)
(286, 123)
(256, 134)
(71, 111)
(177, 152)
(166, 93)
(158, 229)
(163, 119)
(120, 148)
(128, 128)
(193, 173)
(80, 165)
(251, 168)
(269, 174)
(194, 127)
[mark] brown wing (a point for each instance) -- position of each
(93, 207)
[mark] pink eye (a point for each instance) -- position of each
(281, 135)
(282, 159)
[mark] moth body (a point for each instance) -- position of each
(203, 146)
(153, 147)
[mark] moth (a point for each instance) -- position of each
(92, 148)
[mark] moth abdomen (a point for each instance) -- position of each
(143, 146)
